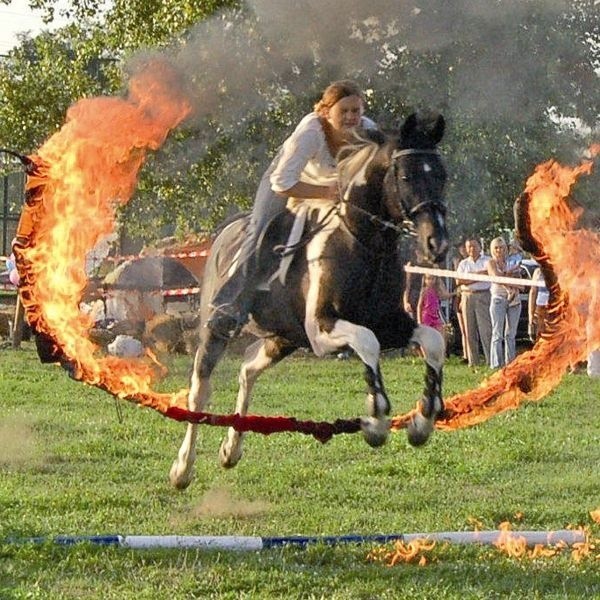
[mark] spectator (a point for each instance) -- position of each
(11, 267)
(593, 364)
(475, 303)
(461, 253)
(429, 309)
(515, 254)
(505, 305)
(538, 302)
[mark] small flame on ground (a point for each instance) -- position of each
(509, 542)
(402, 552)
(514, 545)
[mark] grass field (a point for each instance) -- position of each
(71, 463)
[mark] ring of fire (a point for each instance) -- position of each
(84, 171)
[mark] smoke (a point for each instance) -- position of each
(478, 61)
(236, 63)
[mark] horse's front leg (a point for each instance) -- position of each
(334, 335)
(431, 405)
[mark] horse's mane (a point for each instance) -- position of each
(353, 159)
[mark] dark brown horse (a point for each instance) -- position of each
(343, 286)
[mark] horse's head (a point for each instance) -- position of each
(413, 185)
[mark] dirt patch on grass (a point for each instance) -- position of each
(219, 503)
(17, 443)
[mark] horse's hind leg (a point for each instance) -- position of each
(431, 405)
(209, 352)
(257, 358)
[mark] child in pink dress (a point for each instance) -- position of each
(429, 307)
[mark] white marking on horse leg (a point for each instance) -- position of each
(182, 469)
(364, 342)
(431, 405)
(256, 360)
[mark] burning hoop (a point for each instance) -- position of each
(85, 170)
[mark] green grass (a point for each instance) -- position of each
(68, 465)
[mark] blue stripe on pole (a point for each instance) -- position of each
(70, 540)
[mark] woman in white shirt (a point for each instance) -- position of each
(505, 306)
(304, 167)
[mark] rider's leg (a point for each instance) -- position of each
(232, 302)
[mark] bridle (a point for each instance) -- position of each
(407, 226)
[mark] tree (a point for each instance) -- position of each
(505, 75)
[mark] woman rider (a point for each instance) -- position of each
(304, 167)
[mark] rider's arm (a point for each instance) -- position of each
(308, 190)
(306, 145)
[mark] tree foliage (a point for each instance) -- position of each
(505, 75)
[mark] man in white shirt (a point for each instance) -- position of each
(475, 303)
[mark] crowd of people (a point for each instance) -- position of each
(487, 312)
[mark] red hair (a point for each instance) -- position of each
(335, 91)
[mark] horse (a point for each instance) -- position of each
(343, 284)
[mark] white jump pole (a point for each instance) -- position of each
(473, 276)
(255, 543)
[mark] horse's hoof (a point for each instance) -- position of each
(227, 458)
(419, 430)
(180, 479)
(375, 431)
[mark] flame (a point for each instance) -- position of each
(80, 176)
(411, 552)
(573, 256)
(515, 545)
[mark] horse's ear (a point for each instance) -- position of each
(409, 125)
(431, 126)
(437, 130)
